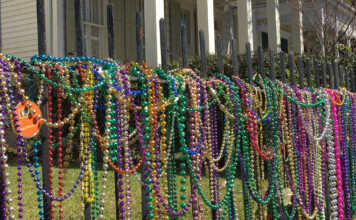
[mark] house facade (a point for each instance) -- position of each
(272, 24)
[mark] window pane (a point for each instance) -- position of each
(93, 11)
(95, 32)
(98, 11)
(95, 49)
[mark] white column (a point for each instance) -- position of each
(58, 23)
(245, 25)
(274, 30)
(54, 25)
(297, 26)
(206, 23)
(154, 11)
(49, 26)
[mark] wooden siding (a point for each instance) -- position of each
(19, 27)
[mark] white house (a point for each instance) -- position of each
(273, 24)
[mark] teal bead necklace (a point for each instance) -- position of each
(36, 159)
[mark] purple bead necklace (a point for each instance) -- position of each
(19, 141)
(215, 152)
(3, 159)
(120, 160)
(344, 158)
(21, 144)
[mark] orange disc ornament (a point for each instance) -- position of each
(29, 119)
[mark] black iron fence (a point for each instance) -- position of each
(291, 69)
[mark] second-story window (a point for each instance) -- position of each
(94, 27)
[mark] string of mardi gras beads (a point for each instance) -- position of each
(272, 98)
(96, 208)
(352, 149)
(343, 114)
(245, 160)
(64, 196)
(308, 158)
(227, 139)
(60, 149)
(95, 189)
(318, 178)
(11, 103)
(183, 181)
(252, 127)
(212, 132)
(185, 207)
(294, 165)
(7, 93)
(37, 179)
(126, 86)
(302, 140)
(102, 142)
(117, 154)
(310, 155)
(55, 71)
(198, 97)
(97, 204)
(227, 143)
(29, 165)
(286, 157)
(88, 183)
(335, 169)
(212, 145)
(303, 128)
(19, 139)
(230, 179)
(234, 94)
(127, 154)
(275, 214)
(7, 209)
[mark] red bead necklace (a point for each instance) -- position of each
(50, 138)
(60, 147)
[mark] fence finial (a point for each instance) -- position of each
(336, 75)
(184, 41)
(308, 73)
(316, 73)
(283, 66)
(219, 54)
(235, 61)
(260, 61)
(331, 73)
(78, 28)
(300, 67)
(324, 70)
(204, 64)
(111, 38)
(162, 27)
(291, 68)
(139, 37)
(249, 61)
(272, 70)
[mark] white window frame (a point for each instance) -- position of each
(88, 24)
